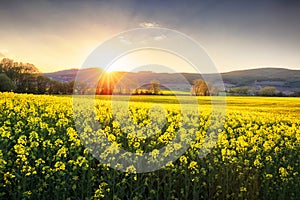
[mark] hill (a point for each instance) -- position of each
(285, 80)
(279, 76)
(70, 74)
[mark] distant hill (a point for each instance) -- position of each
(70, 74)
(284, 80)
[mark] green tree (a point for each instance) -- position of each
(6, 85)
(239, 91)
(43, 84)
(82, 88)
(23, 75)
(267, 91)
(155, 87)
(70, 87)
(296, 94)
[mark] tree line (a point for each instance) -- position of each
(26, 78)
(267, 91)
(202, 88)
(22, 77)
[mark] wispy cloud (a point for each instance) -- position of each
(124, 40)
(160, 37)
(3, 53)
(149, 24)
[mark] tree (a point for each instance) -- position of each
(26, 78)
(82, 88)
(55, 87)
(17, 72)
(212, 89)
(23, 75)
(6, 85)
(267, 91)
(155, 87)
(70, 87)
(296, 94)
(43, 84)
(27, 83)
(200, 88)
(239, 91)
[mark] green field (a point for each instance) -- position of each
(43, 156)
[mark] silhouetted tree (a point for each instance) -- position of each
(23, 75)
(6, 85)
(70, 87)
(43, 84)
(296, 94)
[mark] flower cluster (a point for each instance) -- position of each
(45, 153)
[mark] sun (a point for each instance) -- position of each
(110, 70)
(107, 82)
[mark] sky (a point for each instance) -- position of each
(236, 34)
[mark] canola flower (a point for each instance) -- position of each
(43, 155)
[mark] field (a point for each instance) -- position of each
(46, 154)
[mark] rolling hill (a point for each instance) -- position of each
(285, 80)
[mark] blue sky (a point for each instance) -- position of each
(236, 34)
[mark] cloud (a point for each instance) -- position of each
(149, 24)
(3, 53)
(160, 37)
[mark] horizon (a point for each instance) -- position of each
(119, 69)
(263, 67)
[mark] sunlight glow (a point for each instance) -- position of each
(134, 60)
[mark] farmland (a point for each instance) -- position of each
(42, 154)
